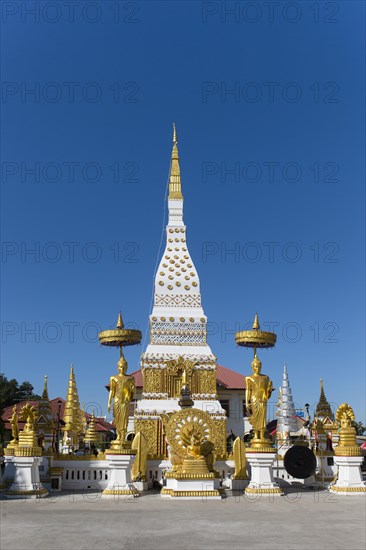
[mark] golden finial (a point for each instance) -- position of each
(256, 325)
(175, 189)
(119, 321)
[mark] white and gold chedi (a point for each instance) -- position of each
(178, 336)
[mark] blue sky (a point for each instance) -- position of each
(270, 118)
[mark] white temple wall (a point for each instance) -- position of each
(235, 399)
(84, 474)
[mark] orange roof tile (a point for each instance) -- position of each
(101, 424)
(230, 379)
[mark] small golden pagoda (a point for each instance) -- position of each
(91, 435)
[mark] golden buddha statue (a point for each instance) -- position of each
(122, 389)
(14, 428)
(258, 390)
(27, 437)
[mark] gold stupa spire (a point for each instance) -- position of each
(256, 325)
(45, 388)
(175, 189)
(72, 413)
(91, 435)
(82, 420)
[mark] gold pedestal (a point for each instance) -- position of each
(27, 439)
(195, 466)
(119, 448)
(260, 446)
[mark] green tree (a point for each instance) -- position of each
(10, 393)
(25, 391)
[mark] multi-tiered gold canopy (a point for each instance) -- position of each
(255, 338)
(120, 336)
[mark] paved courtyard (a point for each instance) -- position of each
(315, 520)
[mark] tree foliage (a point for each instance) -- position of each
(11, 392)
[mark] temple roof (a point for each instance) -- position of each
(323, 408)
(101, 424)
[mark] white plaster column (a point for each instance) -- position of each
(262, 481)
(349, 481)
(26, 479)
(120, 481)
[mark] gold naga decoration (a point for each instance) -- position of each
(138, 470)
(189, 433)
(240, 459)
(27, 443)
(347, 445)
(258, 386)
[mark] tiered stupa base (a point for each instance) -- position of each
(195, 482)
(262, 481)
(120, 458)
(349, 481)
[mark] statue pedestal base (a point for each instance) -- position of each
(262, 481)
(185, 487)
(9, 470)
(120, 482)
(349, 480)
(26, 482)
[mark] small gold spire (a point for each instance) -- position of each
(72, 413)
(91, 435)
(256, 325)
(119, 321)
(175, 189)
(45, 389)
